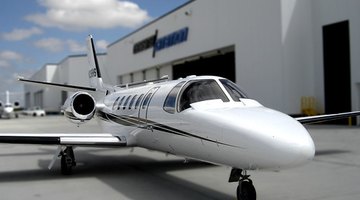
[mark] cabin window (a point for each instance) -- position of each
(170, 101)
(200, 90)
(146, 100)
(115, 103)
(120, 102)
(138, 101)
(132, 101)
(126, 102)
(233, 90)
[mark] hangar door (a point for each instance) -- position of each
(219, 65)
(337, 79)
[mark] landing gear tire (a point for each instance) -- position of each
(246, 190)
(67, 161)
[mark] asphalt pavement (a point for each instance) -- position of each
(137, 173)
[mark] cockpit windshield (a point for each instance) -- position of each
(200, 90)
(183, 94)
(233, 90)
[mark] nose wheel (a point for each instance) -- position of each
(245, 189)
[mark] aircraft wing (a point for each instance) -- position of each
(70, 139)
(328, 117)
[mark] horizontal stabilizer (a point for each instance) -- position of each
(324, 118)
(76, 139)
(60, 86)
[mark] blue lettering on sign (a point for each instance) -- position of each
(171, 39)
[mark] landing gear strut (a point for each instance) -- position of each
(67, 161)
(246, 189)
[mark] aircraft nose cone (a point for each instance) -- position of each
(296, 146)
(283, 138)
(8, 110)
(269, 139)
(303, 150)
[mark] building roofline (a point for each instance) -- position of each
(79, 55)
(151, 22)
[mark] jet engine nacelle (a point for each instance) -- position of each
(79, 107)
(16, 104)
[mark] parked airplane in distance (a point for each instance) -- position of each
(9, 109)
(207, 118)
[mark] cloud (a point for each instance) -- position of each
(21, 34)
(78, 15)
(9, 58)
(75, 47)
(4, 63)
(102, 44)
(56, 45)
(50, 44)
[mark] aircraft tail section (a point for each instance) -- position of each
(7, 93)
(96, 82)
(94, 69)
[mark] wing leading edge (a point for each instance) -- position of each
(329, 117)
(76, 139)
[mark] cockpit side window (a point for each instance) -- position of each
(233, 90)
(200, 90)
(170, 101)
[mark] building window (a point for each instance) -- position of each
(144, 75)
(120, 80)
(157, 73)
(131, 78)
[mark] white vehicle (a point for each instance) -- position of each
(35, 112)
(205, 118)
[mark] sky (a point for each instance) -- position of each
(36, 32)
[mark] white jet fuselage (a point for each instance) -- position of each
(188, 117)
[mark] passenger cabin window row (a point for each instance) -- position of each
(128, 102)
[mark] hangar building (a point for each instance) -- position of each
(278, 51)
(73, 70)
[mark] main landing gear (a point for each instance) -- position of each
(67, 160)
(246, 189)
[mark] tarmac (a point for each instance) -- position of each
(137, 173)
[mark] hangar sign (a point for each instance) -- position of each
(144, 44)
(172, 39)
(164, 42)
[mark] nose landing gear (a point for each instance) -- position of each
(245, 189)
(67, 161)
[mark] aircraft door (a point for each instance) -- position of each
(144, 106)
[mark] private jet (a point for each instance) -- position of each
(8, 109)
(207, 118)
